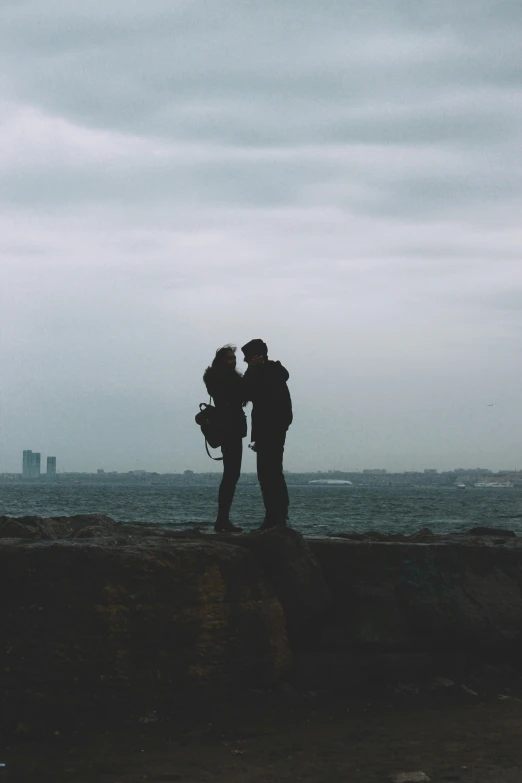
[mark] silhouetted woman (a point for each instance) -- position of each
(223, 384)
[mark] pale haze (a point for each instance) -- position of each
(341, 179)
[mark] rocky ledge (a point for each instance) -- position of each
(99, 617)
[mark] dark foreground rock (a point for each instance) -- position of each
(496, 532)
(264, 738)
(457, 594)
(101, 618)
(293, 570)
(34, 528)
(90, 626)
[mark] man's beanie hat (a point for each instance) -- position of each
(255, 348)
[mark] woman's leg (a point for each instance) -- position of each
(232, 458)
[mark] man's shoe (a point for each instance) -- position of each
(226, 526)
(270, 524)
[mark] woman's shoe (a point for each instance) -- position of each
(226, 526)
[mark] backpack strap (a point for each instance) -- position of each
(218, 459)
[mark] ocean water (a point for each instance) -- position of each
(315, 510)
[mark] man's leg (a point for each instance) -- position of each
(263, 475)
(270, 452)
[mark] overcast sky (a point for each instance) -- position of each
(342, 179)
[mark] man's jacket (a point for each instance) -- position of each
(265, 386)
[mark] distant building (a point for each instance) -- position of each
(51, 466)
(430, 471)
(31, 464)
(35, 464)
(375, 471)
(26, 464)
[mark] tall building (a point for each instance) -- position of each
(26, 464)
(35, 464)
(51, 466)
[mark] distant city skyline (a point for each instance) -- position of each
(31, 469)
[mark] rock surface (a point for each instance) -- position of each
(455, 593)
(496, 532)
(98, 616)
(297, 578)
(93, 625)
(26, 527)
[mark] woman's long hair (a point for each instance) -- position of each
(218, 366)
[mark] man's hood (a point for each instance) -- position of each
(277, 369)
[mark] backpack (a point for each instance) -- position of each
(209, 420)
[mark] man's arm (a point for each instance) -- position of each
(251, 378)
(247, 386)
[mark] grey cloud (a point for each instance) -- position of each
(427, 180)
(185, 72)
(509, 301)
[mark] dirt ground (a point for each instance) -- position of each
(443, 730)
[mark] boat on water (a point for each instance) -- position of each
(492, 484)
(332, 482)
(460, 486)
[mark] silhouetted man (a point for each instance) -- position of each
(264, 384)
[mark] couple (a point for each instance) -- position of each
(263, 384)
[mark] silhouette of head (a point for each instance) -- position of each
(225, 358)
(255, 348)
